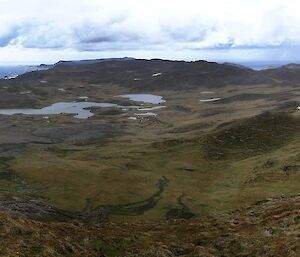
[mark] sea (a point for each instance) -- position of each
(261, 65)
(14, 71)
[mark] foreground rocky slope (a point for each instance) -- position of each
(267, 228)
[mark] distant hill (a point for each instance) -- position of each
(155, 73)
(94, 61)
(294, 66)
(236, 65)
(164, 74)
(45, 66)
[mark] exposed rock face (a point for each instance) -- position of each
(40, 210)
(34, 209)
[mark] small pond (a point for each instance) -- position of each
(146, 98)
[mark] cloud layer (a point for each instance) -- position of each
(231, 29)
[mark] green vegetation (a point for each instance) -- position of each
(250, 137)
(229, 168)
(110, 248)
(193, 159)
(124, 176)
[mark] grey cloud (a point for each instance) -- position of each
(109, 37)
(9, 36)
(5, 39)
(132, 25)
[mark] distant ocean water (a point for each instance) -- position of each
(14, 71)
(259, 65)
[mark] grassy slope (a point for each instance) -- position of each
(124, 172)
(207, 159)
(180, 147)
(267, 228)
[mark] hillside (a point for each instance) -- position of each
(138, 73)
(267, 228)
(129, 157)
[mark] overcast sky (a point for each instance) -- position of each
(45, 31)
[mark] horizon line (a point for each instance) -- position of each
(233, 61)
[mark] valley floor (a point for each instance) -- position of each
(193, 159)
